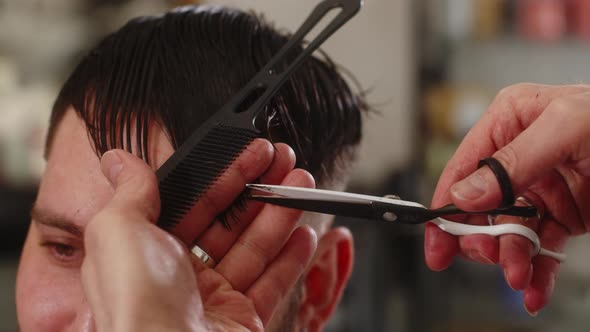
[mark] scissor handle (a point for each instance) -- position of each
(456, 228)
(515, 211)
(416, 215)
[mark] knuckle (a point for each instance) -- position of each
(570, 113)
(208, 200)
(140, 201)
(146, 196)
(559, 106)
(175, 252)
(260, 253)
(136, 179)
(254, 160)
(244, 169)
(516, 90)
(145, 184)
(521, 245)
(571, 108)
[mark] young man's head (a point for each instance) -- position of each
(145, 88)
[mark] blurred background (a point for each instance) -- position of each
(431, 68)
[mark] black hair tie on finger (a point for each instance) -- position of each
(503, 180)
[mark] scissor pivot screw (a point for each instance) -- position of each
(389, 216)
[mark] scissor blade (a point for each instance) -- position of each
(325, 195)
(347, 209)
(310, 193)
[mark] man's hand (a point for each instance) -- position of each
(139, 278)
(541, 136)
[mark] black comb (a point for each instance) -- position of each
(211, 149)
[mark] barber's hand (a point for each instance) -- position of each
(541, 135)
(139, 278)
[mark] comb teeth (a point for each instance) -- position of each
(195, 173)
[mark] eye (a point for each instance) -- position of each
(64, 253)
(63, 250)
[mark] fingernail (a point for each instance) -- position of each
(531, 313)
(471, 187)
(479, 257)
(111, 165)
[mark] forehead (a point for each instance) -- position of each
(73, 185)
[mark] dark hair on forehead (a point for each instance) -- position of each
(181, 67)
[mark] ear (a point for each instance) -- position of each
(326, 278)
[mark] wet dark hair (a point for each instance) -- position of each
(179, 68)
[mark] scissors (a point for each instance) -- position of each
(393, 209)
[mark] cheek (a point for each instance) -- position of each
(48, 298)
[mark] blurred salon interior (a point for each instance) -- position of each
(429, 67)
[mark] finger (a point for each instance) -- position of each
(217, 239)
(439, 247)
(197, 263)
(481, 248)
(553, 236)
(533, 153)
(488, 249)
(263, 240)
(558, 193)
(515, 258)
(249, 165)
(135, 184)
(117, 237)
(282, 274)
(516, 252)
(134, 202)
(283, 162)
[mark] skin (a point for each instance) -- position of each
(540, 135)
(94, 260)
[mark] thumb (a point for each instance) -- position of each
(533, 153)
(135, 185)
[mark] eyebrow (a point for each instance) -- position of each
(50, 219)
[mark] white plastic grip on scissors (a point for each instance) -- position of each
(456, 228)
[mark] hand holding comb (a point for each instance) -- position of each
(212, 148)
